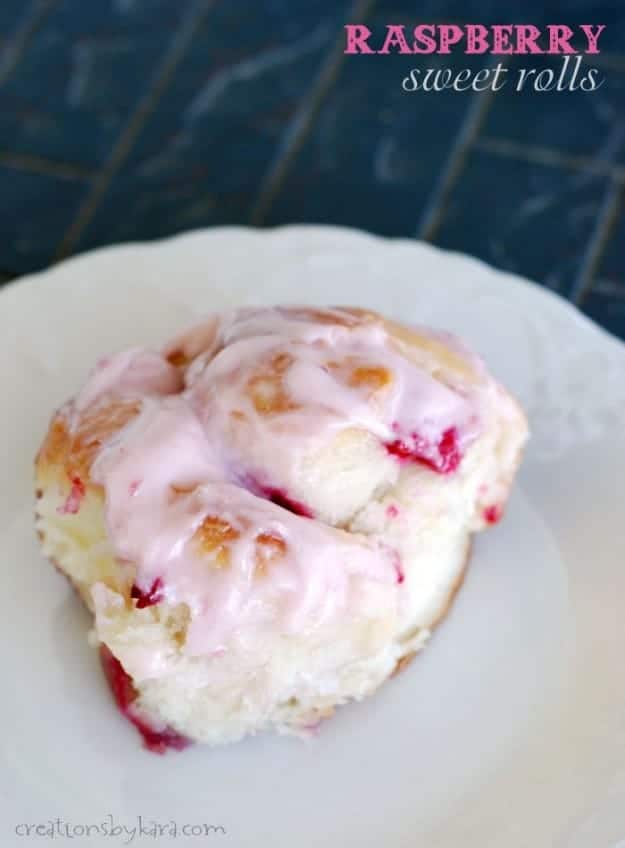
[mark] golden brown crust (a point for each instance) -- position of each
(266, 388)
(332, 316)
(55, 445)
(270, 548)
(214, 536)
(75, 450)
(178, 358)
(403, 662)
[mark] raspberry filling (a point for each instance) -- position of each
(444, 457)
(492, 514)
(154, 595)
(157, 741)
(397, 564)
(74, 499)
(275, 495)
(281, 498)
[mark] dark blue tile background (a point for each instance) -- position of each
(133, 119)
(576, 123)
(373, 164)
(10, 12)
(524, 217)
(81, 76)
(203, 153)
(34, 212)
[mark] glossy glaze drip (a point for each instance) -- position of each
(198, 485)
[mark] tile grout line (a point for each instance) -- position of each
(506, 148)
(606, 220)
(14, 47)
(128, 135)
(549, 157)
(40, 165)
(608, 287)
(475, 116)
(298, 129)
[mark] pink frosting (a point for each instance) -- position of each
(186, 457)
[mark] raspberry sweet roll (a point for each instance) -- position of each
(268, 518)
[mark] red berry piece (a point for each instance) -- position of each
(154, 595)
(125, 694)
(492, 514)
(75, 497)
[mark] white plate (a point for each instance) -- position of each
(508, 731)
